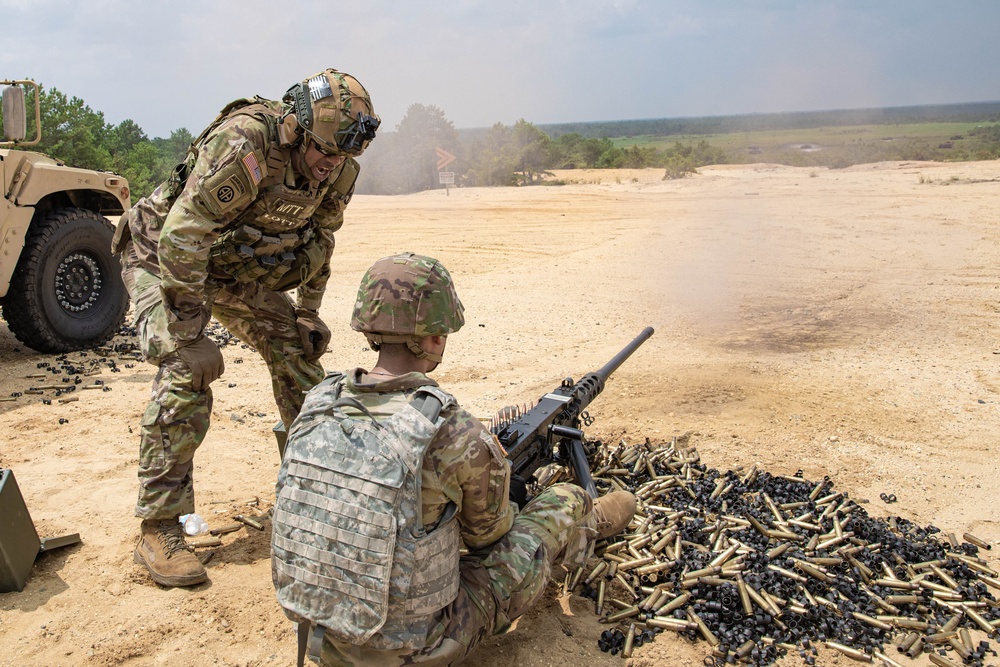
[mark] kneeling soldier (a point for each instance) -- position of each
(385, 479)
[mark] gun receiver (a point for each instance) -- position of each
(530, 438)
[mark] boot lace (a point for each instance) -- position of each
(172, 541)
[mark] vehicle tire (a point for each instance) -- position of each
(66, 292)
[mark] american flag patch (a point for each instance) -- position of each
(250, 160)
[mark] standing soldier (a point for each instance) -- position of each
(250, 214)
(384, 480)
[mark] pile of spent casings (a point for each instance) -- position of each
(762, 565)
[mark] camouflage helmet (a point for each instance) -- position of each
(334, 110)
(406, 297)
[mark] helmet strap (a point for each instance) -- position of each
(412, 344)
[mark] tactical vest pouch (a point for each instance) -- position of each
(308, 260)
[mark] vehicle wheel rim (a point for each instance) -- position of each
(78, 282)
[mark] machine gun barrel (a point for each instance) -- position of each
(530, 438)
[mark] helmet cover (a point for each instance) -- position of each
(407, 295)
(334, 110)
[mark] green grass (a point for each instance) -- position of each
(834, 146)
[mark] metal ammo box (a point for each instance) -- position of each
(19, 543)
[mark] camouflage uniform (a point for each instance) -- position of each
(510, 554)
(182, 265)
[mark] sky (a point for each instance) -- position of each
(173, 64)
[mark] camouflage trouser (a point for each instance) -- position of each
(496, 587)
(177, 418)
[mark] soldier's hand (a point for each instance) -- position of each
(204, 358)
(314, 333)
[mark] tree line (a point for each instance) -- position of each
(405, 160)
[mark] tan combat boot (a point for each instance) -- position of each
(166, 555)
(612, 513)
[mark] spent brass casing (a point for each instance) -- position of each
(745, 648)
(963, 634)
(756, 597)
(813, 571)
(724, 556)
(662, 543)
(788, 574)
(916, 648)
(896, 583)
(666, 607)
(940, 660)
(654, 567)
(882, 604)
(907, 642)
(253, 523)
(228, 528)
(621, 615)
(596, 572)
(972, 539)
(741, 588)
(703, 628)
(601, 587)
(670, 623)
(959, 648)
(210, 541)
(703, 572)
(632, 564)
(831, 561)
(945, 577)
(978, 619)
(939, 637)
(886, 660)
(653, 599)
(778, 550)
(902, 599)
(976, 565)
(641, 541)
(874, 622)
(575, 579)
(910, 623)
(849, 652)
(629, 641)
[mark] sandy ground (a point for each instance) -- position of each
(839, 322)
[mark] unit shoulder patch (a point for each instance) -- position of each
(233, 185)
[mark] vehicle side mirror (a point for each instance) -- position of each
(14, 115)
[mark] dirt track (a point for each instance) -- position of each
(838, 322)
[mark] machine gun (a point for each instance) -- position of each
(530, 438)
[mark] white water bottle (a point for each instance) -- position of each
(193, 524)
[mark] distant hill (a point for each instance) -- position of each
(708, 125)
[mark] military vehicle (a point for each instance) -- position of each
(60, 286)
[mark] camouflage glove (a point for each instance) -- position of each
(314, 333)
(204, 359)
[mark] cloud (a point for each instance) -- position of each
(172, 65)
